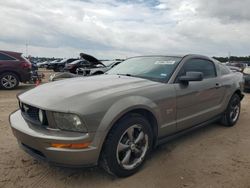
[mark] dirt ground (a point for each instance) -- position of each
(214, 156)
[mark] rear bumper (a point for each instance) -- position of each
(25, 76)
(37, 142)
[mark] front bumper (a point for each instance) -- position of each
(25, 75)
(37, 142)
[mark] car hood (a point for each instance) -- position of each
(91, 59)
(66, 93)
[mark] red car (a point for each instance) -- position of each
(14, 68)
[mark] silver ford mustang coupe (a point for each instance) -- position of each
(116, 119)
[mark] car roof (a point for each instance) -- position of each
(11, 53)
(178, 56)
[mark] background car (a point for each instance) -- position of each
(43, 64)
(246, 74)
(71, 67)
(59, 65)
(98, 69)
(14, 68)
(51, 63)
(241, 66)
(234, 69)
(86, 61)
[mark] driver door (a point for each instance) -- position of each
(197, 101)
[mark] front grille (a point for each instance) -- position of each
(31, 113)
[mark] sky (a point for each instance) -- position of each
(125, 28)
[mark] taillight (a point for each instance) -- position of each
(26, 64)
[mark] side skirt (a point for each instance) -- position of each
(185, 131)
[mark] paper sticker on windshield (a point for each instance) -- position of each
(170, 62)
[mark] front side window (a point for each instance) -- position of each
(156, 68)
(4, 57)
(199, 65)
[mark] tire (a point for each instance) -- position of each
(127, 146)
(232, 113)
(9, 81)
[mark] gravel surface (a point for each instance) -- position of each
(214, 156)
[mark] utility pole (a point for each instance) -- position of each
(26, 45)
(229, 56)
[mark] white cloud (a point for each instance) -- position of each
(116, 28)
(161, 6)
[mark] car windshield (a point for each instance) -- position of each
(247, 70)
(157, 68)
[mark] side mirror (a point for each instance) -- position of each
(191, 76)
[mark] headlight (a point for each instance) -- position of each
(69, 122)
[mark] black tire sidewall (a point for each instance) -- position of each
(114, 138)
(12, 74)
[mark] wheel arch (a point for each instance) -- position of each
(13, 72)
(239, 93)
(150, 117)
(147, 114)
(146, 110)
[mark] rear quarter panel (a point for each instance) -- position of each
(231, 82)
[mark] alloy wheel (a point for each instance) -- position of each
(8, 81)
(235, 111)
(132, 147)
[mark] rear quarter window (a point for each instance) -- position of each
(224, 70)
(4, 57)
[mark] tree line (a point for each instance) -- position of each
(233, 58)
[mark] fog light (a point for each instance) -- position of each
(71, 146)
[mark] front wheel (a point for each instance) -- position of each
(127, 146)
(232, 113)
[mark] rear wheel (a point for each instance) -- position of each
(9, 80)
(232, 112)
(127, 146)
